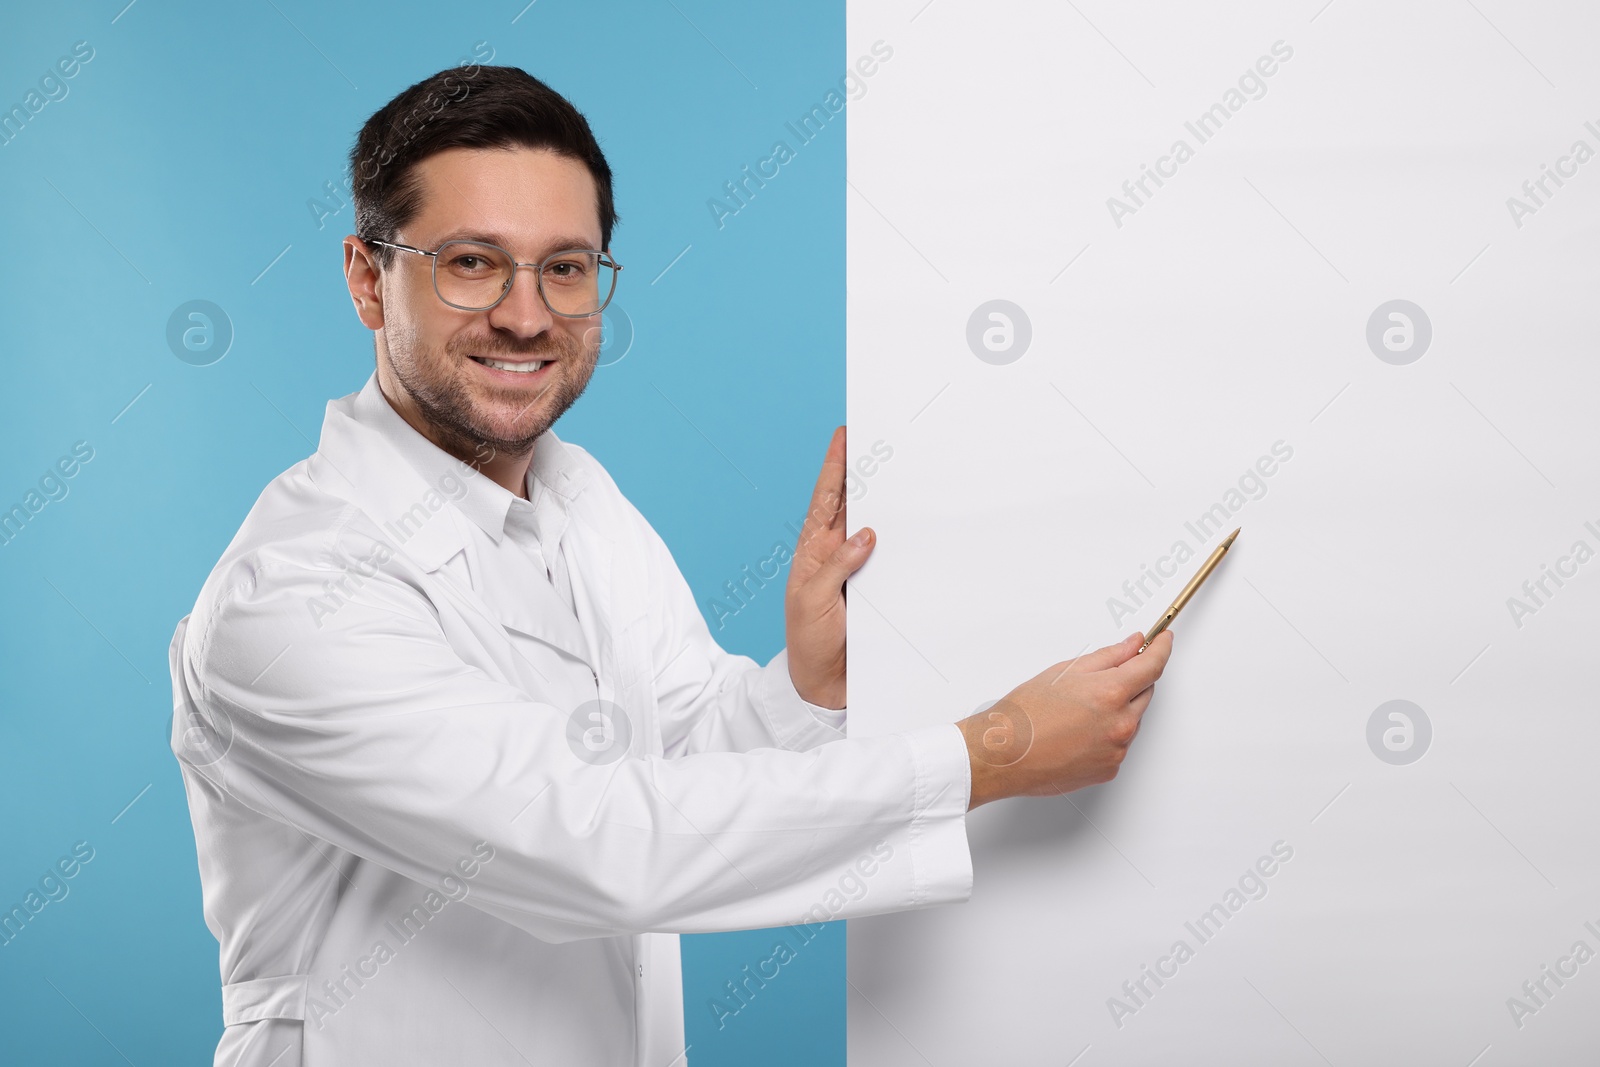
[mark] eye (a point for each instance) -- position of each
(567, 270)
(466, 260)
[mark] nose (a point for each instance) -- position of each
(523, 312)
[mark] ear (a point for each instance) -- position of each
(365, 282)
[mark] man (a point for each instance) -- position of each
(461, 754)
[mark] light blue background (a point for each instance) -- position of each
(178, 166)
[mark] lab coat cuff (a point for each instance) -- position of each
(941, 857)
(797, 723)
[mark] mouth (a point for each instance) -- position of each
(512, 370)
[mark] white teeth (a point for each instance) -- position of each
(515, 368)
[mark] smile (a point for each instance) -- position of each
(513, 368)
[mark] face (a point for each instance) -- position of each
(531, 202)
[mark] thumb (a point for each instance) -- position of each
(1110, 656)
(846, 559)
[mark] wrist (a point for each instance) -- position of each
(831, 697)
(986, 777)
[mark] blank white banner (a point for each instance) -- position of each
(1124, 277)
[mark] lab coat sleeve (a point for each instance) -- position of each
(366, 730)
(712, 700)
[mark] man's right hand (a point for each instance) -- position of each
(1067, 727)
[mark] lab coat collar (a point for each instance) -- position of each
(372, 457)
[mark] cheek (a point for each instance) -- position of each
(434, 335)
(399, 336)
(423, 350)
(581, 337)
(413, 305)
(586, 335)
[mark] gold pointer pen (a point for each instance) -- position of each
(1189, 590)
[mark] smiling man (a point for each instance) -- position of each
(461, 754)
(477, 364)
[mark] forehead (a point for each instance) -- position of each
(524, 199)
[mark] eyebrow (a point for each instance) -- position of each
(555, 244)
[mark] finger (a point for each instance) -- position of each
(1142, 670)
(822, 530)
(840, 564)
(1142, 700)
(1104, 658)
(1136, 707)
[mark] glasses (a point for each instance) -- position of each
(473, 276)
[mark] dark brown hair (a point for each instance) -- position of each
(463, 107)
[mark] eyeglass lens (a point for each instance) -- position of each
(472, 275)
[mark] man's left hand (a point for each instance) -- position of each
(814, 600)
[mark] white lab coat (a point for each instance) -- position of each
(414, 844)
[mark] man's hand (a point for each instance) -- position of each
(1067, 727)
(813, 606)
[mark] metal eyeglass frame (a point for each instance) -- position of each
(538, 278)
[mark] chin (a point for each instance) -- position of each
(507, 428)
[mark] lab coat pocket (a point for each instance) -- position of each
(547, 671)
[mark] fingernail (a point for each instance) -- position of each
(861, 538)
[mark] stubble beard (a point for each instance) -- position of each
(440, 382)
